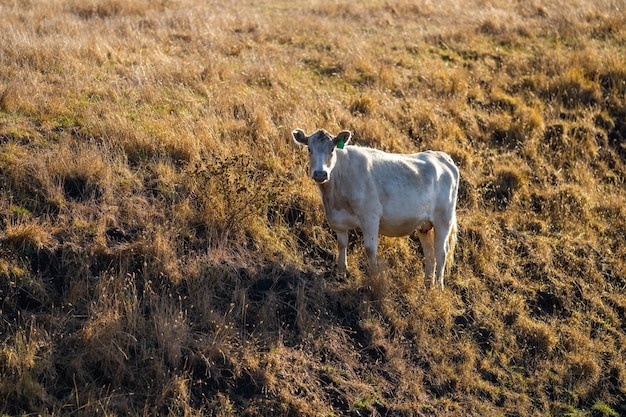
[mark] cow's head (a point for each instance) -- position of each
(321, 145)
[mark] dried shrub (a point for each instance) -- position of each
(232, 192)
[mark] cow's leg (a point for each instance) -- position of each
(370, 241)
(442, 246)
(427, 240)
(342, 243)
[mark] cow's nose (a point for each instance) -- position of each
(320, 175)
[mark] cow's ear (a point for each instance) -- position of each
(300, 137)
(342, 138)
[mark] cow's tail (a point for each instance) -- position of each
(451, 244)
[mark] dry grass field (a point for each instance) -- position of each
(164, 252)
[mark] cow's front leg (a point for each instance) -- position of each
(342, 243)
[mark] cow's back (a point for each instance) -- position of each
(404, 191)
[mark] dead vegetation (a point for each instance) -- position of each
(164, 253)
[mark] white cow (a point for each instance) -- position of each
(388, 194)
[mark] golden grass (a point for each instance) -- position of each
(162, 251)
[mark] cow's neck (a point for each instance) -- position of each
(330, 190)
(327, 191)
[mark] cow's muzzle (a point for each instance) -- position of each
(320, 176)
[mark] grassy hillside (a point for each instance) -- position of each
(163, 251)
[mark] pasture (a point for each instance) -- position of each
(164, 251)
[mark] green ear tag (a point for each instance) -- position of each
(340, 144)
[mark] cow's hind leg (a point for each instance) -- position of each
(342, 243)
(428, 246)
(442, 246)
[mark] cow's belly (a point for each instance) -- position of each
(401, 217)
(402, 227)
(342, 220)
